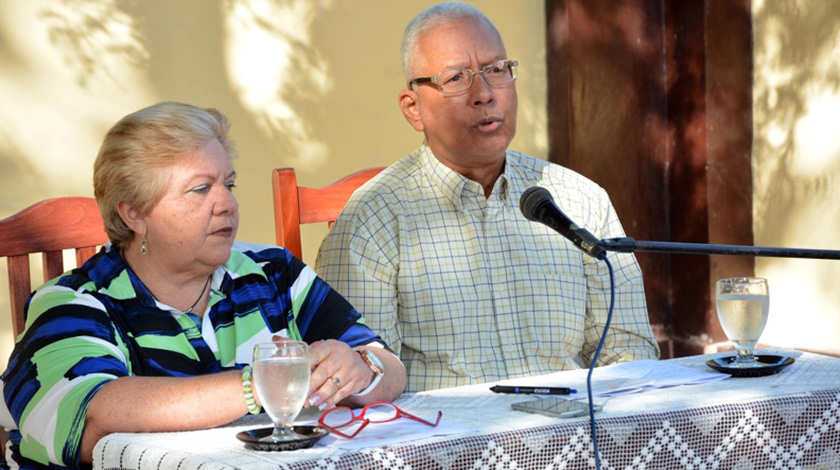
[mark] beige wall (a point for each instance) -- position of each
(796, 160)
(307, 83)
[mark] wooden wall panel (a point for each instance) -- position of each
(652, 100)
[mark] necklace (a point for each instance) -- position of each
(200, 295)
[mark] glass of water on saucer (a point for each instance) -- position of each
(743, 304)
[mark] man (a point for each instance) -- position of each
(435, 252)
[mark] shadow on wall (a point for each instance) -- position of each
(94, 36)
(794, 59)
(252, 59)
(278, 75)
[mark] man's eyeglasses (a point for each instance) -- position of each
(342, 417)
(458, 80)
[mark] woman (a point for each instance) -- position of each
(155, 332)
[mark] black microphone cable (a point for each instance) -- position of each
(537, 205)
(594, 361)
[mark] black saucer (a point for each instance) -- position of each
(309, 435)
(769, 365)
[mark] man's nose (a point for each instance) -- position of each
(482, 92)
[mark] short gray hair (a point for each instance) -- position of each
(430, 17)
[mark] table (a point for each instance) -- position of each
(790, 420)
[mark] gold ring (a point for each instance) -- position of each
(336, 381)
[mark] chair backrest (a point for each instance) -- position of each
(295, 205)
(47, 227)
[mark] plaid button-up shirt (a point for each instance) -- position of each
(467, 290)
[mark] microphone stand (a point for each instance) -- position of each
(629, 245)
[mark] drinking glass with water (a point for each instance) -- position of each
(743, 304)
(281, 371)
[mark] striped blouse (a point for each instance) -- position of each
(99, 322)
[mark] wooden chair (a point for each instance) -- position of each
(295, 205)
(47, 227)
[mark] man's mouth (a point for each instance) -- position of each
(489, 124)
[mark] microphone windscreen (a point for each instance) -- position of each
(531, 199)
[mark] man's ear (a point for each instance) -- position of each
(132, 218)
(411, 109)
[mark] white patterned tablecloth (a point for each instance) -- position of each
(790, 420)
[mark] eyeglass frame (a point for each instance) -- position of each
(400, 414)
(510, 63)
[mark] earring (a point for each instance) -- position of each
(143, 249)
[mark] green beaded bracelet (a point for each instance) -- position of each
(250, 401)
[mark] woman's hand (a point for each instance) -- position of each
(337, 372)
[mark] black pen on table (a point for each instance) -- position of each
(537, 390)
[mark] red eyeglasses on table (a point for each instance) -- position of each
(377, 412)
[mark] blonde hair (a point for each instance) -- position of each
(131, 165)
(429, 18)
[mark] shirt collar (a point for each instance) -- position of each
(125, 284)
(455, 186)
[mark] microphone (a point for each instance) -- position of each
(537, 205)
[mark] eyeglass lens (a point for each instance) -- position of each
(337, 417)
(375, 413)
